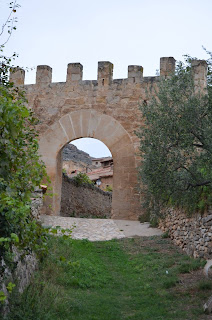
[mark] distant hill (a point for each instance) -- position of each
(72, 153)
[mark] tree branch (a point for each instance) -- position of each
(205, 183)
(13, 9)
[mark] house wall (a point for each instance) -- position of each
(105, 182)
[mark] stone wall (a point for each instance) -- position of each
(105, 109)
(84, 201)
(25, 267)
(20, 276)
(192, 234)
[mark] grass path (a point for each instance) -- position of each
(128, 279)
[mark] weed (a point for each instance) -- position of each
(170, 283)
(144, 218)
(191, 265)
(205, 285)
(165, 235)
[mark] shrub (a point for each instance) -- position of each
(109, 188)
(144, 217)
(82, 178)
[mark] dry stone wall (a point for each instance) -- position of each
(192, 234)
(84, 200)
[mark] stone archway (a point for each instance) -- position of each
(90, 123)
(67, 111)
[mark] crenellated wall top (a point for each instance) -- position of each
(104, 76)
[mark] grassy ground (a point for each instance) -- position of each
(129, 279)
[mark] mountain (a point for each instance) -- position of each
(72, 153)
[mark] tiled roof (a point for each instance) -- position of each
(100, 173)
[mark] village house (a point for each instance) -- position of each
(103, 174)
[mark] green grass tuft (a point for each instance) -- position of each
(205, 285)
(191, 265)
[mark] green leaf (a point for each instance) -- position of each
(14, 237)
(10, 287)
(3, 297)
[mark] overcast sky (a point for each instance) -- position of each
(124, 32)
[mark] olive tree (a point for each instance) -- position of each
(176, 143)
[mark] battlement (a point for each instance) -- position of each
(105, 73)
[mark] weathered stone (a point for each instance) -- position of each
(208, 306)
(209, 223)
(195, 240)
(84, 201)
(206, 219)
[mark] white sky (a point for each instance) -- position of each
(94, 147)
(124, 32)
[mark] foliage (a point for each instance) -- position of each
(176, 143)
(109, 188)
(82, 178)
(205, 285)
(165, 235)
(21, 170)
(120, 279)
(145, 217)
(6, 31)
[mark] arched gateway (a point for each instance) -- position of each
(91, 123)
(104, 109)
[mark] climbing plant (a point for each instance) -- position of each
(176, 143)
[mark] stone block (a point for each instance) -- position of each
(135, 74)
(167, 66)
(199, 70)
(85, 122)
(17, 76)
(105, 73)
(66, 123)
(207, 219)
(74, 72)
(43, 75)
